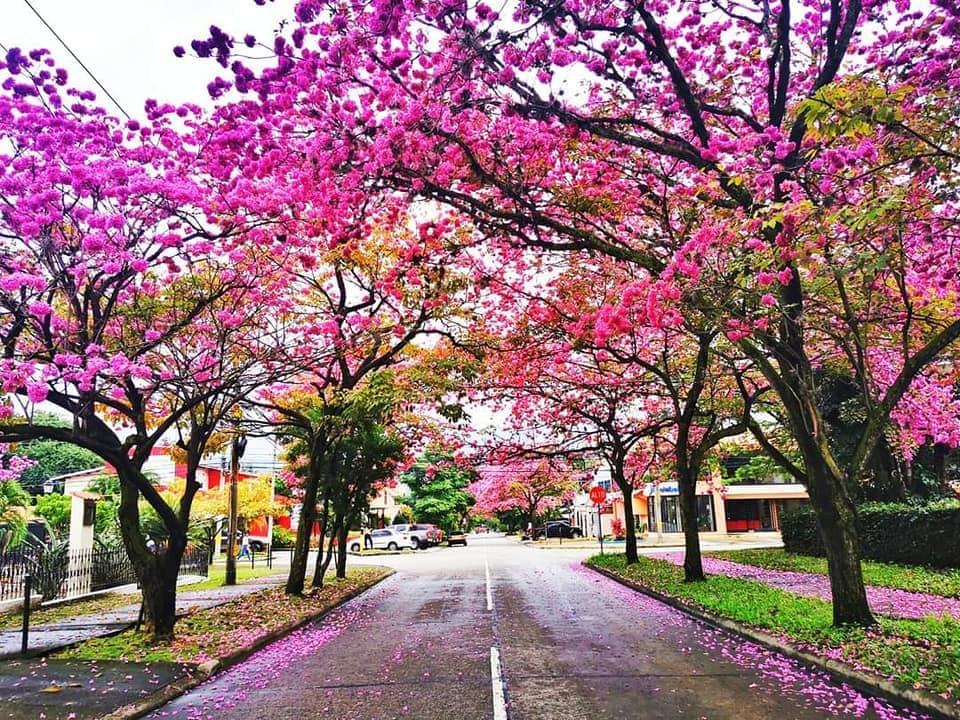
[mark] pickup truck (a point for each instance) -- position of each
(421, 535)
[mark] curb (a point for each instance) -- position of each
(897, 692)
(206, 670)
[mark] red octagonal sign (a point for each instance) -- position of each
(598, 494)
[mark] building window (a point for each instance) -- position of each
(705, 521)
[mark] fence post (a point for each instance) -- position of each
(27, 587)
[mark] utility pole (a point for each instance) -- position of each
(237, 447)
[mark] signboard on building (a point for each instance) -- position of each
(670, 488)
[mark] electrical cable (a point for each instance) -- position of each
(79, 61)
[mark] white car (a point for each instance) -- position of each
(387, 539)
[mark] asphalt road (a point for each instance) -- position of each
(500, 631)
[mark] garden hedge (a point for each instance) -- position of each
(889, 532)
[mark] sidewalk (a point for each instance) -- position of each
(654, 542)
(35, 687)
(45, 638)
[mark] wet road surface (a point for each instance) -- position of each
(505, 632)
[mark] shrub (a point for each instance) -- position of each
(282, 538)
(800, 532)
(889, 532)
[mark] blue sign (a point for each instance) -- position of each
(670, 488)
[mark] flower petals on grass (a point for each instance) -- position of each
(223, 630)
(918, 652)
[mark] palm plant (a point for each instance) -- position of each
(14, 501)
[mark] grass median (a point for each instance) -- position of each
(933, 581)
(214, 633)
(923, 654)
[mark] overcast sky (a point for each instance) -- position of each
(128, 44)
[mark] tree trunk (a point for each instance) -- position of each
(830, 497)
(837, 521)
(343, 530)
(323, 562)
(323, 558)
(156, 571)
(301, 547)
(159, 588)
(629, 526)
(692, 559)
(940, 452)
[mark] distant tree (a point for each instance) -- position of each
(254, 500)
(438, 489)
(53, 458)
(529, 487)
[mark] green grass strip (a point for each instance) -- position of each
(921, 653)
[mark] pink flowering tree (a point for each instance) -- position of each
(581, 375)
(123, 291)
(531, 486)
(789, 168)
(565, 398)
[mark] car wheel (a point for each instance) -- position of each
(355, 547)
(577, 534)
(391, 545)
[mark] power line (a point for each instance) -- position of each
(79, 61)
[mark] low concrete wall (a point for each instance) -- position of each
(14, 607)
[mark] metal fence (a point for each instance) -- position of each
(62, 573)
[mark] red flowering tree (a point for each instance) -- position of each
(367, 292)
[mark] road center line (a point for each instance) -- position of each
(499, 699)
(489, 589)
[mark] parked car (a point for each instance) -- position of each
(424, 535)
(385, 539)
(557, 528)
(457, 537)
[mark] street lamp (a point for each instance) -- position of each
(238, 446)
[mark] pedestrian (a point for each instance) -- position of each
(244, 546)
(530, 530)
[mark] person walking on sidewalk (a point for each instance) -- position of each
(244, 546)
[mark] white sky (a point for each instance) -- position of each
(128, 44)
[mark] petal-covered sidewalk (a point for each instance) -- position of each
(885, 601)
